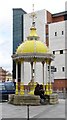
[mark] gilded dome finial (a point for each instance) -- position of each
(33, 34)
(33, 16)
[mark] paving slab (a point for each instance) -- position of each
(42, 111)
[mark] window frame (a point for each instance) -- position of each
(61, 51)
(54, 52)
(55, 69)
(55, 34)
(63, 69)
(62, 32)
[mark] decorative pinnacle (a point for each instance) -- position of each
(33, 16)
(33, 7)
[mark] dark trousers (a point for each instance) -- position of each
(45, 97)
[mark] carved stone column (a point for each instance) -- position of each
(47, 86)
(22, 79)
(50, 85)
(43, 74)
(16, 92)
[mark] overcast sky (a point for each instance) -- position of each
(6, 6)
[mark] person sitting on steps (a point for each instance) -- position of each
(40, 91)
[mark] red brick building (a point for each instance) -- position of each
(2, 74)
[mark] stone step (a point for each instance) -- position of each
(24, 100)
(53, 99)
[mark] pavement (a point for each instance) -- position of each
(43, 111)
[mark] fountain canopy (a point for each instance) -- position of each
(32, 48)
(32, 44)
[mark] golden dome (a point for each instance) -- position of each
(32, 46)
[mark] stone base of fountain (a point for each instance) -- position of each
(24, 99)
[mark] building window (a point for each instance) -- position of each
(55, 69)
(48, 68)
(46, 35)
(62, 32)
(52, 68)
(53, 52)
(63, 69)
(61, 51)
(55, 33)
(33, 70)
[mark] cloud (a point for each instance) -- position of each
(5, 56)
(5, 45)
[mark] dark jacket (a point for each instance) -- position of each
(37, 90)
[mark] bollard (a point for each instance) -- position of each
(27, 112)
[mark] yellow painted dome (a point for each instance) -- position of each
(32, 46)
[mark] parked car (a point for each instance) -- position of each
(6, 88)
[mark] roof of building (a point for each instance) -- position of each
(59, 14)
(32, 44)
